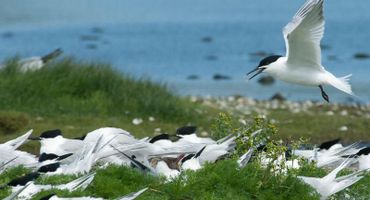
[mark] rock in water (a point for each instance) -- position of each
(362, 56)
(278, 96)
(266, 80)
(218, 77)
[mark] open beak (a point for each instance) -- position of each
(258, 70)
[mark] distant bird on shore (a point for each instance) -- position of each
(302, 63)
(36, 63)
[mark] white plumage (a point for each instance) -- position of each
(302, 63)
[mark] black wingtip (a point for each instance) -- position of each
(62, 157)
(199, 152)
(47, 197)
(188, 157)
(350, 156)
(51, 133)
(23, 180)
(163, 136)
(133, 160)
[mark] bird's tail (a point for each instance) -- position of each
(341, 83)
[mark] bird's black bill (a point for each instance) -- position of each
(34, 138)
(258, 70)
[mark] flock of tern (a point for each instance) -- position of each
(162, 156)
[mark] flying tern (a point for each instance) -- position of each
(302, 62)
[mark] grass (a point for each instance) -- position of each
(318, 126)
(74, 88)
(317, 122)
(222, 180)
(215, 181)
(78, 97)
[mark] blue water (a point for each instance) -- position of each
(162, 40)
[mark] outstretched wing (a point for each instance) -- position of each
(303, 35)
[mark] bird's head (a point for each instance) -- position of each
(264, 64)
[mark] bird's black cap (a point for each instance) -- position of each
(51, 133)
(186, 130)
(364, 151)
(268, 60)
(326, 145)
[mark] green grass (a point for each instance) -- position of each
(317, 122)
(222, 180)
(318, 126)
(78, 97)
(75, 88)
(9, 175)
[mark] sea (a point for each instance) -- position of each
(186, 43)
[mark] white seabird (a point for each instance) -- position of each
(30, 189)
(36, 63)
(302, 63)
(330, 184)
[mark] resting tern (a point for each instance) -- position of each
(330, 184)
(36, 63)
(28, 190)
(53, 142)
(130, 196)
(362, 157)
(11, 157)
(302, 63)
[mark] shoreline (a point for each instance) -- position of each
(316, 121)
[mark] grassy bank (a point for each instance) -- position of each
(79, 97)
(317, 121)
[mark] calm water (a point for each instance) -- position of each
(163, 40)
